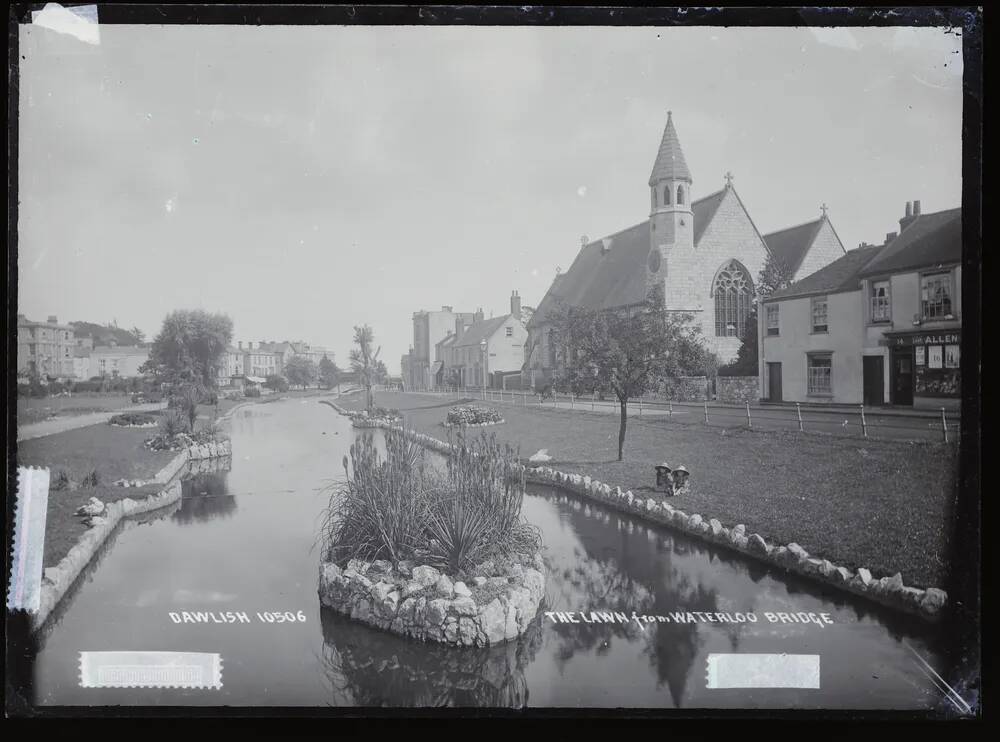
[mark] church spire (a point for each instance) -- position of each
(670, 163)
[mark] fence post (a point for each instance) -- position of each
(749, 421)
(706, 412)
(572, 401)
(593, 396)
(798, 411)
(670, 408)
(640, 405)
(944, 426)
(864, 425)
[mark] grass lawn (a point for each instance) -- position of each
(885, 505)
(32, 410)
(113, 452)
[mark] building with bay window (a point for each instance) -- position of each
(881, 325)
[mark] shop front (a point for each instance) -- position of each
(925, 368)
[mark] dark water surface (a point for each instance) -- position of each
(245, 540)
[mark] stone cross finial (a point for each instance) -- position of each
(729, 179)
(823, 209)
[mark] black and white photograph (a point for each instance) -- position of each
(518, 359)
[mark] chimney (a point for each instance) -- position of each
(916, 208)
(249, 344)
(584, 241)
(22, 318)
(459, 326)
(515, 304)
(605, 245)
(241, 344)
(53, 320)
(908, 218)
(478, 316)
(445, 309)
(890, 236)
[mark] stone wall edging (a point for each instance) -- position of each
(396, 601)
(57, 580)
(887, 591)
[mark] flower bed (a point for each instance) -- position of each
(133, 420)
(378, 417)
(497, 604)
(472, 416)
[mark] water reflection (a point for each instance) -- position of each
(205, 495)
(366, 667)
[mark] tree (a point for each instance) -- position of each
(627, 353)
(329, 374)
(364, 361)
(300, 370)
(189, 348)
(276, 383)
(774, 276)
(139, 335)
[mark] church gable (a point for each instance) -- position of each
(824, 249)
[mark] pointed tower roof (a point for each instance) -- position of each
(670, 162)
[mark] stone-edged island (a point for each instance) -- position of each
(497, 605)
(434, 554)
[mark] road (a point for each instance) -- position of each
(884, 424)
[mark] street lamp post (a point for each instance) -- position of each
(482, 348)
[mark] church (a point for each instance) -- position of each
(704, 253)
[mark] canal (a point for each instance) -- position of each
(245, 540)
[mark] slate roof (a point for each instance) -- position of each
(670, 163)
(843, 274)
(616, 278)
(480, 331)
(790, 245)
(929, 240)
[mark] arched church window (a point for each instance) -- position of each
(680, 195)
(666, 196)
(733, 291)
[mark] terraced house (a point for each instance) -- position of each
(703, 254)
(881, 325)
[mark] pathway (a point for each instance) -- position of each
(62, 424)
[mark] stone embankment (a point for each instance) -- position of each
(56, 581)
(891, 591)
(497, 605)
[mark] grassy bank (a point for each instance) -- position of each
(114, 453)
(884, 505)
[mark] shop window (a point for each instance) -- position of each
(772, 319)
(881, 307)
(819, 314)
(820, 373)
(935, 296)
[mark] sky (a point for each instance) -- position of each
(304, 180)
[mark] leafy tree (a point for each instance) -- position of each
(139, 335)
(300, 370)
(276, 383)
(189, 347)
(329, 374)
(774, 276)
(627, 353)
(364, 361)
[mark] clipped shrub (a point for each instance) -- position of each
(91, 480)
(473, 415)
(251, 392)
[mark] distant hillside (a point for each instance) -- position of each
(103, 334)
